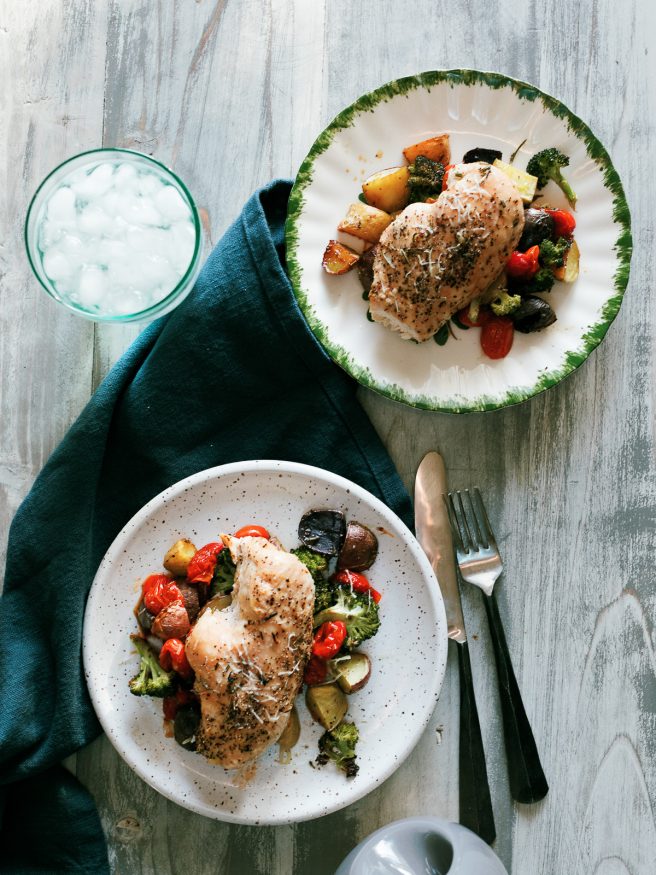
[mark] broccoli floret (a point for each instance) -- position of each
(505, 303)
(223, 578)
(314, 562)
(546, 165)
(325, 595)
(542, 282)
(358, 611)
(325, 592)
(339, 745)
(152, 680)
(425, 179)
(553, 254)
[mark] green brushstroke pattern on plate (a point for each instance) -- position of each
(595, 150)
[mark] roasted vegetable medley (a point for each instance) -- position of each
(546, 253)
(346, 614)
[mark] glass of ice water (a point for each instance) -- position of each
(114, 235)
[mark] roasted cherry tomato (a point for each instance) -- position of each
(358, 583)
(445, 178)
(173, 656)
(483, 316)
(497, 337)
(524, 265)
(316, 671)
(160, 591)
(252, 532)
(564, 223)
(201, 567)
(328, 639)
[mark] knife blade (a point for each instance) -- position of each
(434, 535)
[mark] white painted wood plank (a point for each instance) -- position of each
(51, 108)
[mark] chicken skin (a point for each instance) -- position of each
(250, 657)
(435, 258)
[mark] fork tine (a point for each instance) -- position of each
(471, 544)
(453, 522)
(482, 540)
(484, 517)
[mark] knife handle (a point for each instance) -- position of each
(525, 775)
(475, 802)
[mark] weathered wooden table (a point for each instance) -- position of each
(232, 93)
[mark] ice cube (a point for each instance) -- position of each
(56, 264)
(138, 210)
(155, 270)
(149, 185)
(61, 207)
(110, 251)
(170, 204)
(126, 178)
(126, 303)
(93, 185)
(93, 220)
(49, 232)
(92, 287)
(183, 239)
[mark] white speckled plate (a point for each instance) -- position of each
(476, 109)
(391, 711)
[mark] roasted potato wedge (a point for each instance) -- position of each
(365, 222)
(291, 733)
(354, 672)
(327, 704)
(436, 148)
(337, 258)
(179, 557)
(388, 189)
(569, 272)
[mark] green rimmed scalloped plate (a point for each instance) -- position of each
(477, 109)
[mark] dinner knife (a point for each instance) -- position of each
(434, 535)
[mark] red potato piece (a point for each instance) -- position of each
(354, 672)
(171, 622)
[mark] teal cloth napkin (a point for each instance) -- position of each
(232, 374)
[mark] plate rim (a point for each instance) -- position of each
(572, 359)
(267, 466)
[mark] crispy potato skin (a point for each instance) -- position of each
(171, 622)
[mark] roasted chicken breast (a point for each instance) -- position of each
(249, 658)
(435, 258)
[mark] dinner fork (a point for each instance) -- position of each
(480, 563)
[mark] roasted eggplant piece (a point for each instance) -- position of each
(480, 154)
(360, 548)
(144, 617)
(533, 314)
(323, 531)
(185, 726)
(538, 226)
